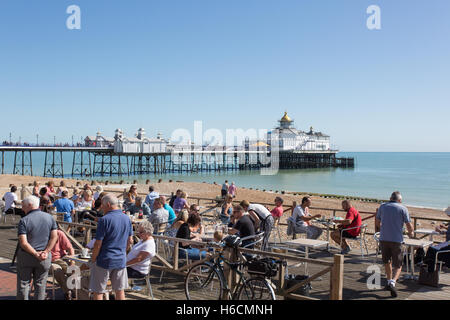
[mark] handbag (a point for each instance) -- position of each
(429, 278)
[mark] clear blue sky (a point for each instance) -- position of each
(162, 64)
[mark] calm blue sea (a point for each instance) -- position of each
(423, 178)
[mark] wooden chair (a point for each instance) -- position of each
(257, 239)
(147, 282)
(170, 254)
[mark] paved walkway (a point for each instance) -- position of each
(7, 280)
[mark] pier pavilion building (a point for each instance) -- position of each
(292, 139)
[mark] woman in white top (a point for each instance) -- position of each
(86, 201)
(140, 256)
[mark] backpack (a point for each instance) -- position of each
(266, 267)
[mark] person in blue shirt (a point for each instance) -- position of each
(65, 205)
(390, 218)
(114, 237)
(172, 215)
(151, 197)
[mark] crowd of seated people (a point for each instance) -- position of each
(184, 221)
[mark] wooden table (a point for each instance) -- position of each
(79, 210)
(429, 232)
(307, 243)
(413, 243)
(77, 258)
(207, 237)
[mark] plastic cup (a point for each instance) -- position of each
(84, 252)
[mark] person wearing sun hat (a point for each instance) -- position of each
(98, 190)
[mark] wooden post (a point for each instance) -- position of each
(175, 255)
(415, 223)
(69, 236)
(230, 275)
(23, 192)
(337, 278)
(88, 236)
(281, 275)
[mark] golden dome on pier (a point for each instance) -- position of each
(285, 118)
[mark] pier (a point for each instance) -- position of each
(105, 161)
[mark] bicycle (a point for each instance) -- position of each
(206, 281)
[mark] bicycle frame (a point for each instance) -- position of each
(233, 266)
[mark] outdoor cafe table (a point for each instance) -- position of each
(207, 237)
(307, 243)
(136, 221)
(429, 232)
(411, 244)
(78, 211)
(330, 224)
(77, 258)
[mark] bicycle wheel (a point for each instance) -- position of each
(256, 289)
(203, 282)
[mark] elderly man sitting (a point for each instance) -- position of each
(159, 216)
(172, 216)
(139, 205)
(62, 248)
